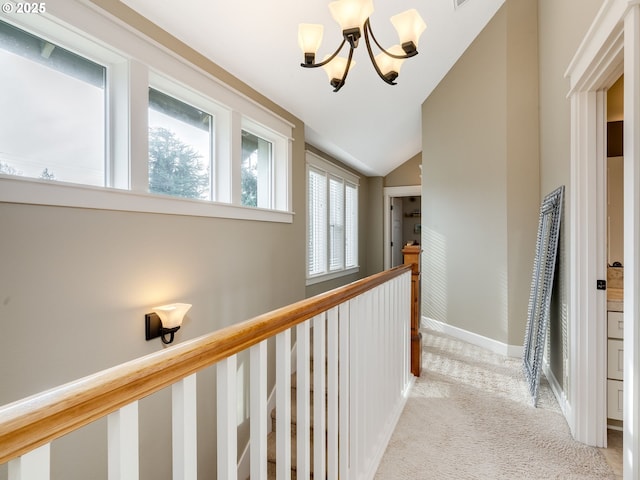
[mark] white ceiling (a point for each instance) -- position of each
(372, 126)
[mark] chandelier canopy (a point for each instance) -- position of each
(353, 18)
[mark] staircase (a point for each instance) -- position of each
(271, 438)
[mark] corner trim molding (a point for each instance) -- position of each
(555, 388)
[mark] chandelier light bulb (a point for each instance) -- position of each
(309, 39)
(389, 65)
(409, 25)
(351, 13)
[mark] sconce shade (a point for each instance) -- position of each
(172, 315)
(310, 37)
(351, 13)
(409, 25)
(388, 64)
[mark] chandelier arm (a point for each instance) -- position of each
(346, 71)
(323, 63)
(367, 30)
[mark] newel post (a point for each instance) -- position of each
(412, 257)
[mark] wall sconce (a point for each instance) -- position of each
(165, 320)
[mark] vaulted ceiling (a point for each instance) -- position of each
(369, 125)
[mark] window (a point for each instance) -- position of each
(332, 220)
(317, 222)
(256, 171)
(180, 140)
(56, 99)
(121, 123)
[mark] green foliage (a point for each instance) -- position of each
(47, 175)
(249, 186)
(7, 169)
(175, 168)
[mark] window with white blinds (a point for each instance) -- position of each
(317, 218)
(332, 220)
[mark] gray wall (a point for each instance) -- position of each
(479, 146)
(480, 181)
(406, 174)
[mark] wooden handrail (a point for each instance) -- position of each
(37, 420)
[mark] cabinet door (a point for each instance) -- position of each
(614, 399)
(615, 359)
(615, 324)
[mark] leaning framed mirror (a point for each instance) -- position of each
(541, 288)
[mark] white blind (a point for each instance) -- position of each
(317, 222)
(336, 224)
(332, 220)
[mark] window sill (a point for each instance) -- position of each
(41, 192)
(331, 276)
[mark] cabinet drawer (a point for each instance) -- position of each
(615, 356)
(614, 399)
(615, 324)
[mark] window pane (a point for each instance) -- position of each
(317, 218)
(52, 124)
(180, 146)
(256, 171)
(351, 226)
(336, 224)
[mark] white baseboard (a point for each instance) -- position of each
(495, 346)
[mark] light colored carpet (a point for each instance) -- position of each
(469, 416)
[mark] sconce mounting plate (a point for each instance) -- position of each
(152, 326)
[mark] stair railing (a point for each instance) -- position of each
(361, 375)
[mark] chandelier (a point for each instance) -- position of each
(353, 18)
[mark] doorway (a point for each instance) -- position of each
(406, 225)
(611, 48)
(402, 221)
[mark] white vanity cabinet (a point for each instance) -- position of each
(615, 363)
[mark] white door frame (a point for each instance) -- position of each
(389, 192)
(611, 47)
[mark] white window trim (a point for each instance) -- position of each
(318, 163)
(280, 193)
(60, 194)
(117, 45)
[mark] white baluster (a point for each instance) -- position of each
(283, 405)
(303, 393)
(185, 430)
(258, 407)
(319, 396)
(407, 323)
(34, 465)
(344, 388)
(333, 459)
(122, 427)
(227, 415)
